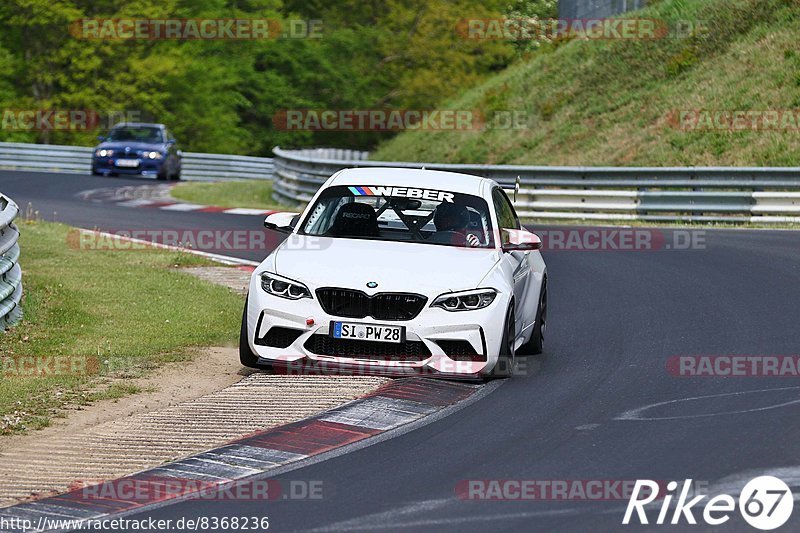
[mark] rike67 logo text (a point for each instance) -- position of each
(765, 503)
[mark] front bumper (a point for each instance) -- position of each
(108, 165)
(482, 329)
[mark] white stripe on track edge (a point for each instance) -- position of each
(310, 460)
(224, 259)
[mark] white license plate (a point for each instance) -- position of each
(367, 332)
(128, 163)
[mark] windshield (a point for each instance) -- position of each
(405, 214)
(143, 134)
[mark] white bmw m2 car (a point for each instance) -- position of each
(399, 271)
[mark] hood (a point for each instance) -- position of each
(395, 266)
(133, 145)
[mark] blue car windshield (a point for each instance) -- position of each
(136, 134)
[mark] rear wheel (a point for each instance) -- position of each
(246, 355)
(504, 368)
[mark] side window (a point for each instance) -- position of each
(506, 216)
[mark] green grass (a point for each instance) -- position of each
(256, 194)
(609, 102)
(121, 313)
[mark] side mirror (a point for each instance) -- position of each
(282, 221)
(101, 138)
(520, 240)
(171, 141)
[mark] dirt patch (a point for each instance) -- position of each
(184, 413)
(235, 278)
(211, 370)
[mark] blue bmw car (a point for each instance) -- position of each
(138, 148)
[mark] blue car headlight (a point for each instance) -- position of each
(153, 155)
(283, 287)
(104, 152)
(465, 300)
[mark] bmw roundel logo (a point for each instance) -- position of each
(372, 284)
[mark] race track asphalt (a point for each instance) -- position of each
(616, 319)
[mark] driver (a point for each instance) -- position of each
(452, 223)
(451, 217)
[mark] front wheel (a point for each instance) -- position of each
(504, 368)
(535, 346)
(246, 355)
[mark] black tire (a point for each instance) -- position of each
(535, 345)
(246, 355)
(162, 173)
(504, 368)
(177, 175)
(96, 172)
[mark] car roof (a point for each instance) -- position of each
(138, 125)
(412, 177)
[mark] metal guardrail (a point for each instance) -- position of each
(299, 173)
(10, 271)
(690, 194)
(77, 159)
(204, 167)
(698, 194)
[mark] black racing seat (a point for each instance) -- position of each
(354, 220)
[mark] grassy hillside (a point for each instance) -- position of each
(609, 102)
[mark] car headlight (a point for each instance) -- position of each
(153, 155)
(283, 287)
(465, 300)
(104, 153)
